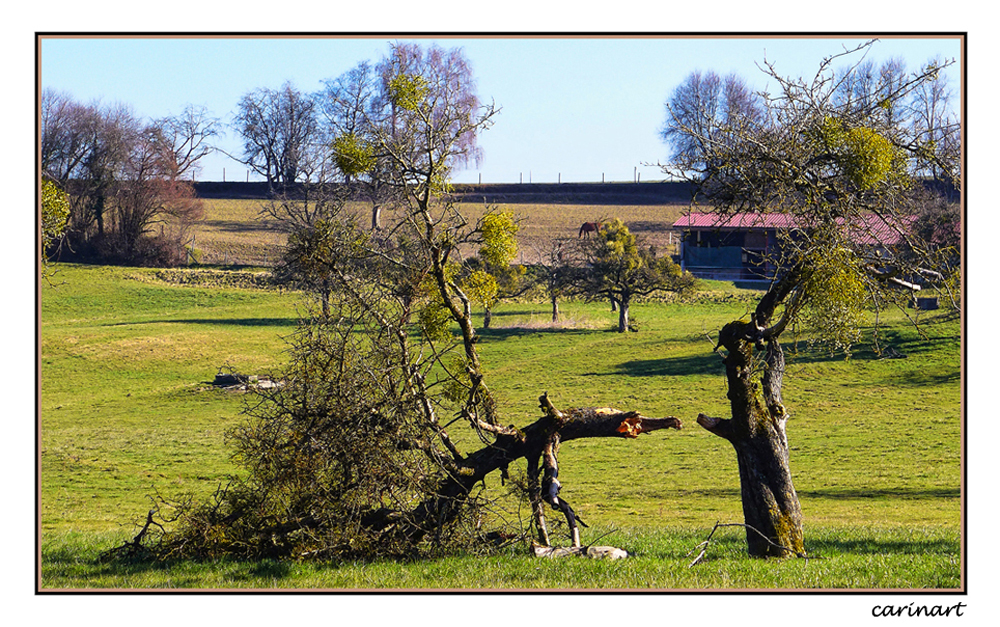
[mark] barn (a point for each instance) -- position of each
(742, 246)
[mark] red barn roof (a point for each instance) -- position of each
(870, 229)
(738, 221)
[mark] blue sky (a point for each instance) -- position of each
(573, 108)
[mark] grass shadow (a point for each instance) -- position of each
(882, 546)
(273, 569)
(503, 333)
(707, 364)
(238, 322)
(865, 493)
(895, 344)
(240, 226)
(64, 561)
(921, 379)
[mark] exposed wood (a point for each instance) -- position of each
(906, 284)
(569, 424)
(593, 552)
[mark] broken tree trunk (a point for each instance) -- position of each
(537, 440)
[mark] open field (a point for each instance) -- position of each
(233, 234)
(126, 411)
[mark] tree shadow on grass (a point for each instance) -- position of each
(890, 493)
(894, 344)
(61, 558)
(237, 322)
(241, 226)
(881, 546)
(268, 569)
(707, 364)
(503, 333)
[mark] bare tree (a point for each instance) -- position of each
(68, 129)
(111, 133)
(184, 140)
(348, 116)
(427, 87)
(556, 273)
(706, 109)
(844, 170)
(279, 131)
(128, 203)
(936, 127)
(344, 105)
(152, 205)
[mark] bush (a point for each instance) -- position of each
(156, 251)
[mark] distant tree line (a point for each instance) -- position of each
(127, 179)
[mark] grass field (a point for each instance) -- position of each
(127, 410)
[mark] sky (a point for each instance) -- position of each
(572, 108)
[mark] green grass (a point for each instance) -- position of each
(126, 404)
(854, 558)
(126, 412)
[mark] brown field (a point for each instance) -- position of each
(542, 223)
(232, 232)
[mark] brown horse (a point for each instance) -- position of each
(588, 228)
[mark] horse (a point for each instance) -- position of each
(589, 227)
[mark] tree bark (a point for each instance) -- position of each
(622, 316)
(757, 433)
(325, 298)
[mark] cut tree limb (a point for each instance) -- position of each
(538, 444)
(569, 424)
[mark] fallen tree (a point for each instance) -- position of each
(330, 475)
(352, 456)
